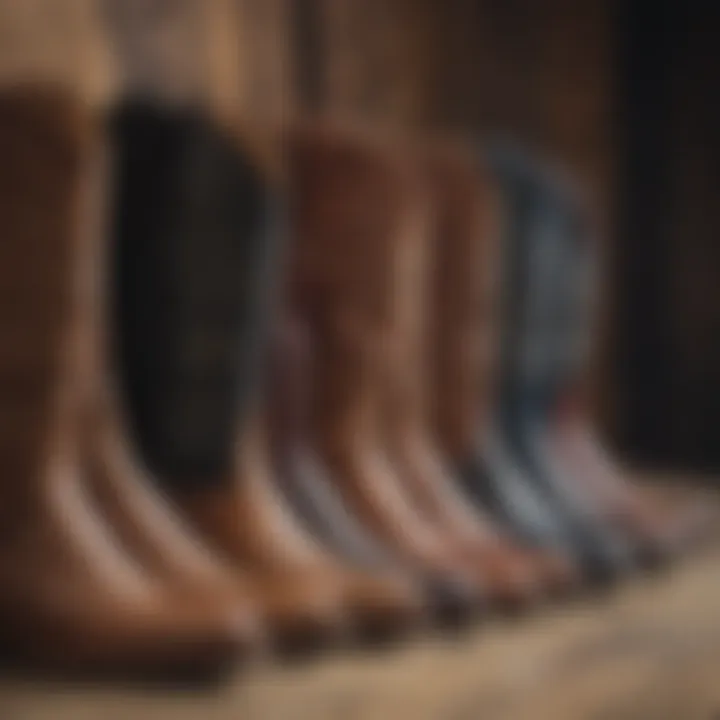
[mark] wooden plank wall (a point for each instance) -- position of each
(668, 319)
(538, 70)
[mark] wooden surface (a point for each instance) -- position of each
(649, 652)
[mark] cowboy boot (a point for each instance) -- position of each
(521, 429)
(420, 467)
(383, 602)
(127, 495)
(71, 599)
(657, 526)
(461, 352)
(454, 192)
(464, 333)
(245, 519)
(312, 492)
(197, 234)
(467, 322)
(346, 193)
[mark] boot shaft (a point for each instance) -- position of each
(549, 283)
(47, 142)
(346, 191)
(288, 382)
(195, 244)
(465, 297)
(532, 243)
(405, 365)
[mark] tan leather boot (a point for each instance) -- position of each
(152, 530)
(346, 195)
(461, 342)
(246, 521)
(70, 598)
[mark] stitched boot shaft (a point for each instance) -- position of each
(196, 245)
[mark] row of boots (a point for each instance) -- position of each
(239, 413)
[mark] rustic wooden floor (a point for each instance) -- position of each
(649, 652)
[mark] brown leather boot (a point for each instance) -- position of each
(512, 581)
(70, 598)
(150, 528)
(383, 601)
(462, 338)
(155, 533)
(346, 195)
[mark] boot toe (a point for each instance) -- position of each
(559, 575)
(384, 609)
(454, 601)
(303, 619)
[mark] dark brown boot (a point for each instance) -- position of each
(347, 193)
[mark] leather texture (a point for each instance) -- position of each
(141, 515)
(383, 599)
(445, 186)
(196, 243)
(72, 600)
(531, 341)
(198, 251)
(464, 316)
(348, 194)
(244, 518)
(302, 476)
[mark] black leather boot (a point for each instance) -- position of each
(197, 242)
(194, 256)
